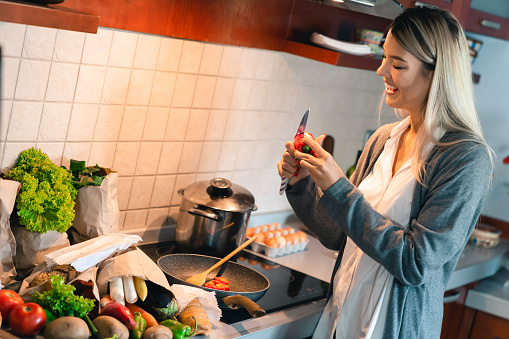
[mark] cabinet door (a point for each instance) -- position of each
(487, 326)
(487, 24)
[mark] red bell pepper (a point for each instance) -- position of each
(121, 313)
(506, 160)
(301, 146)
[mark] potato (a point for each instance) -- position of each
(108, 326)
(158, 332)
(67, 328)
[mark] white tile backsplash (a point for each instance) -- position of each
(147, 51)
(39, 43)
(96, 50)
(32, 80)
(191, 56)
(24, 121)
(165, 112)
(10, 69)
(55, 121)
(116, 85)
(69, 46)
(123, 48)
(62, 82)
(12, 37)
(82, 123)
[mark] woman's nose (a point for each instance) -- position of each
(382, 69)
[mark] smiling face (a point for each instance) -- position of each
(406, 85)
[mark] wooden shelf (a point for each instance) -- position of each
(332, 57)
(52, 16)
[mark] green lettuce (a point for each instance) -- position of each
(61, 300)
(45, 201)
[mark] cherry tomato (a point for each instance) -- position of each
(301, 146)
(506, 160)
(8, 300)
(27, 319)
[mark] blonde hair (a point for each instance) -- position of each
(436, 38)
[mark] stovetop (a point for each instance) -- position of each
(288, 287)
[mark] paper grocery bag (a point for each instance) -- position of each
(89, 275)
(96, 209)
(31, 247)
(8, 192)
(133, 262)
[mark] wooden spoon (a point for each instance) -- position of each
(199, 279)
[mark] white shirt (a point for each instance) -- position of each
(362, 286)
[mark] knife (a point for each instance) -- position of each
(300, 130)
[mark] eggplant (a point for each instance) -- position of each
(160, 302)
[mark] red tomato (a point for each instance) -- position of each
(221, 279)
(301, 146)
(8, 300)
(27, 319)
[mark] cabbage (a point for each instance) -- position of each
(46, 199)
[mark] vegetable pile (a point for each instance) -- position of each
(83, 176)
(46, 198)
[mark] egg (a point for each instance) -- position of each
(260, 239)
(281, 241)
(262, 228)
(250, 232)
(272, 242)
(289, 239)
(302, 236)
(275, 233)
(273, 226)
(268, 235)
(288, 230)
(295, 238)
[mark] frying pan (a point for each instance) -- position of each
(244, 281)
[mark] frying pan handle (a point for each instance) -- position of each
(237, 300)
(205, 214)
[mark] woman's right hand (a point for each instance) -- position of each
(288, 166)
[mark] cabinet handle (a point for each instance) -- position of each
(490, 24)
(452, 298)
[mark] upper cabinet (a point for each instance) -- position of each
(282, 25)
(486, 17)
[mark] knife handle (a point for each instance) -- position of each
(284, 183)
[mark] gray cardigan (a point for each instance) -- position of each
(421, 256)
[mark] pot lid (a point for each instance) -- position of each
(220, 194)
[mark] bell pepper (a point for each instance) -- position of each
(301, 146)
(120, 312)
(49, 316)
(141, 326)
(179, 330)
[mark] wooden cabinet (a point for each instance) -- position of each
(487, 326)
(52, 16)
(473, 19)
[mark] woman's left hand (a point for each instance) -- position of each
(323, 169)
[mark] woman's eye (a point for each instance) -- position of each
(396, 67)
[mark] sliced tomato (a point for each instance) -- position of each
(221, 279)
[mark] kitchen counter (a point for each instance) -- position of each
(476, 263)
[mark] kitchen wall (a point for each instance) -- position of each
(167, 112)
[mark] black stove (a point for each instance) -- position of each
(288, 288)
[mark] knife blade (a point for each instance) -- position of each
(300, 130)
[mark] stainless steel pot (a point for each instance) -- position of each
(213, 217)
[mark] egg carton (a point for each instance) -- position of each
(273, 252)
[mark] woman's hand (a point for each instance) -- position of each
(323, 169)
(288, 166)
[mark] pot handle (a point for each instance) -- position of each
(255, 208)
(205, 214)
(237, 300)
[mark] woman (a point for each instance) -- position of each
(400, 223)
